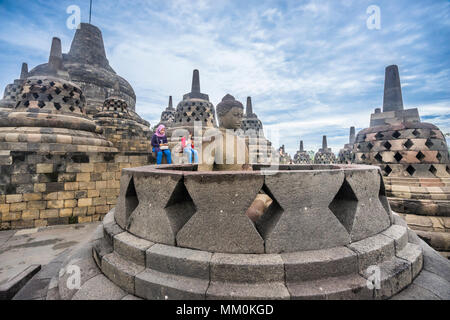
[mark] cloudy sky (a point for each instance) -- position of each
(311, 67)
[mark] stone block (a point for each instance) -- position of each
(110, 230)
(131, 247)
(373, 250)
(219, 223)
(14, 198)
(121, 272)
(30, 214)
(55, 204)
(70, 203)
(32, 196)
(83, 177)
(317, 264)
(303, 220)
(86, 202)
(247, 268)
(245, 291)
(179, 261)
(155, 285)
(413, 254)
(395, 276)
(346, 287)
(49, 213)
(44, 168)
(19, 206)
(399, 234)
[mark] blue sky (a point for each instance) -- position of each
(311, 67)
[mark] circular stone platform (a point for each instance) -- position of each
(181, 234)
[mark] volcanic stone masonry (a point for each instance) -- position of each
(88, 67)
(414, 159)
(346, 154)
(169, 239)
(168, 115)
(324, 155)
(302, 156)
(12, 90)
(56, 166)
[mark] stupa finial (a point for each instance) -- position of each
(24, 71)
(55, 59)
(196, 81)
(324, 143)
(301, 146)
(249, 108)
(352, 135)
(392, 99)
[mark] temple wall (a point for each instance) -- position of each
(39, 189)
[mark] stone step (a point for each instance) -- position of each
(351, 286)
(316, 264)
(156, 285)
(399, 234)
(247, 291)
(412, 253)
(120, 271)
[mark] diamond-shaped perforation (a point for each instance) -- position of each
(370, 146)
(438, 156)
(363, 157)
(131, 199)
(420, 156)
(265, 221)
(398, 157)
(379, 157)
(416, 133)
(344, 206)
(396, 134)
(379, 136)
(387, 145)
(429, 143)
(180, 207)
(388, 170)
(410, 170)
(433, 169)
(408, 144)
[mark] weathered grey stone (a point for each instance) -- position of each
(413, 237)
(110, 230)
(109, 217)
(247, 268)
(370, 216)
(434, 283)
(220, 223)
(101, 248)
(88, 270)
(399, 234)
(413, 254)
(434, 262)
(99, 288)
(317, 264)
(179, 261)
(399, 220)
(124, 207)
(131, 247)
(151, 219)
(414, 292)
(373, 250)
(306, 222)
(155, 285)
(395, 276)
(246, 291)
(120, 271)
(335, 288)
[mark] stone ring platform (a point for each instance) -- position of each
(181, 234)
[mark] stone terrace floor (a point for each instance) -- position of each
(20, 249)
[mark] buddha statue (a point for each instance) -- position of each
(223, 149)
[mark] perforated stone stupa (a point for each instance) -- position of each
(88, 67)
(195, 106)
(324, 155)
(346, 154)
(414, 159)
(260, 149)
(302, 156)
(121, 128)
(12, 90)
(168, 115)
